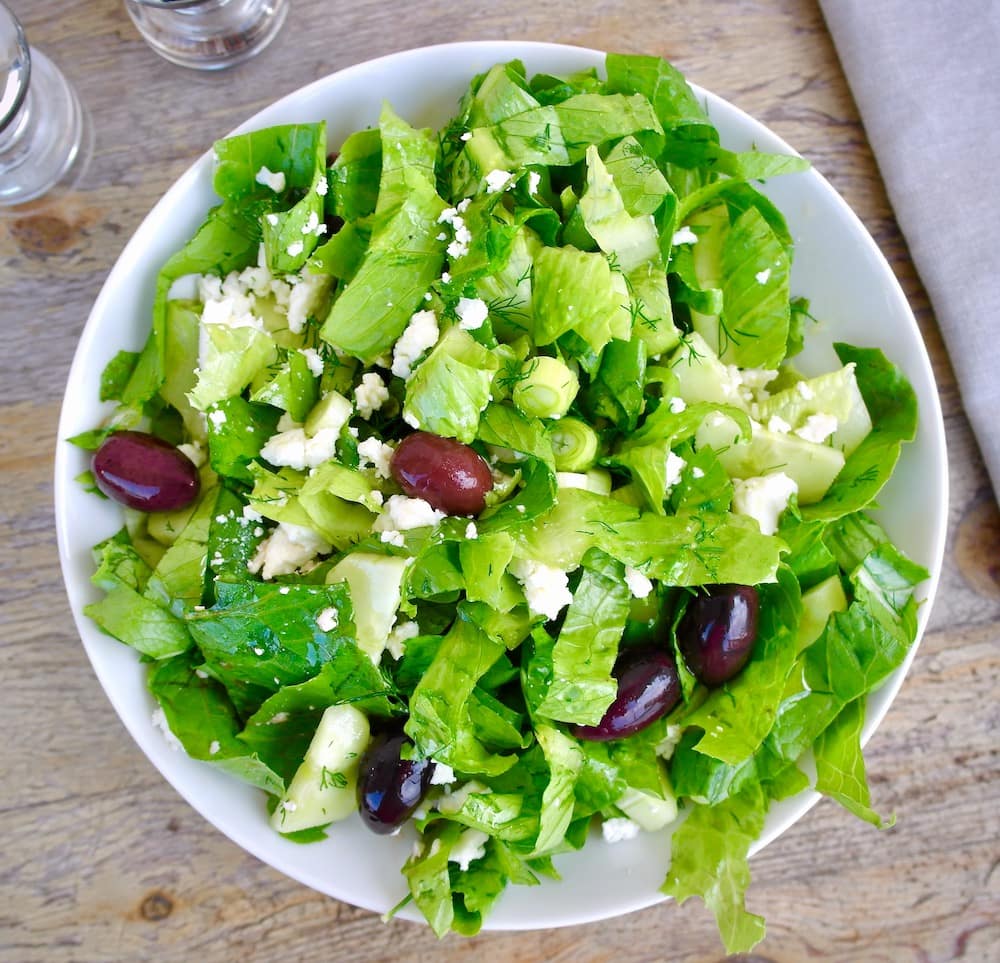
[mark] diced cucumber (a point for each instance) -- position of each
(596, 480)
(813, 467)
(651, 811)
(324, 788)
(375, 582)
(835, 393)
(701, 376)
(166, 526)
(485, 153)
(818, 604)
(711, 226)
(333, 411)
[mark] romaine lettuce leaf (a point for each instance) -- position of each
(201, 715)
(840, 767)
(450, 388)
(892, 404)
(440, 724)
(737, 716)
(267, 635)
(581, 686)
(709, 859)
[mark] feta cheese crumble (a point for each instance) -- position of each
(463, 236)
(295, 449)
(637, 583)
(471, 531)
(402, 513)
(214, 747)
(193, 452)
(328, 619)
(295, 248)
(675, 466)
(762, 277)
(370, 395)
(304, 298)
(313, 361)
(534, 182)
(778, 424)
(618, 830)
(677, 405)
(546, 588)
(498, 180)
(160, 721)
(287, 549)
(275, 180)
(377, 454)
(443, 774)
(469, 847)
(763, 498)
(421, 333)
(684, 236)
(471, 313)
(395, 645)
(818, 428)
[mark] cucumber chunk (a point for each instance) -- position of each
(813, 467)
(701, 376)
(818, 604)
(324, 788)
(835, 393)
(375, 582)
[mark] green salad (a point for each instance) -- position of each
(471, 484)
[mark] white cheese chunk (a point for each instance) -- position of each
(546, 588)
(763, 498)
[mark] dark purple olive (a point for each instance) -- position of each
(390, 787)
(144, 472)
(648, 688)
(717, 632)
(452, 477)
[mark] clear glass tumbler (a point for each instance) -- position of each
(207, 34)
(41, 121)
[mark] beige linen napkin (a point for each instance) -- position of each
(926, 78)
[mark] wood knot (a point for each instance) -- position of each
(173, 824)
(43, 234)
(977, 546)
(156, 906)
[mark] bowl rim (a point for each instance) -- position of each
(133, 252)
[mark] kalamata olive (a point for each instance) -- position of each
(648, 688)
(717, 632)
(452, 477)
(390, 787)
(144, 472)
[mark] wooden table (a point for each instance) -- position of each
(102, 860)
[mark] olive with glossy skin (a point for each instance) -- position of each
(145, 472)
(390, 787)
(717, 632)
(452, 477)
(648, 688)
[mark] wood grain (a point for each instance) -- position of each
(101, 860)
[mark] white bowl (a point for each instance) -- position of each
(837, 265)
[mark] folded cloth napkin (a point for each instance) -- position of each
(926, 79)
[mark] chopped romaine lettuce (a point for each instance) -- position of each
(577, 282)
